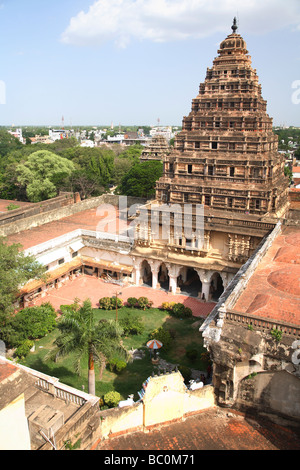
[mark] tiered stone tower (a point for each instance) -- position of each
(156, 150)
(226, 156)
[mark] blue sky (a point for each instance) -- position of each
(131, 62)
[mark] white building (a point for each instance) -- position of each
(57, 134)
(17, 133)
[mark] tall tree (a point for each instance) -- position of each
(79, 334)
(42, 173)
(15, 270)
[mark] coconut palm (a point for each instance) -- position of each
(82, 336)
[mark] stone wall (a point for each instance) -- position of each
(166, 400)
(274, 392)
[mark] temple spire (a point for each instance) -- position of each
(234, 27)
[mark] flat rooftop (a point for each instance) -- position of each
(106, 220)
(273, 291)
(4, 203)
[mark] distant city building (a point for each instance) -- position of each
(87, 143)
(17, 133)
(167, 132)
(57, 134)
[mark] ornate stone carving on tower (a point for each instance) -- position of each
(226, 156)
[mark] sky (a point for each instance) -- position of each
(137, 62)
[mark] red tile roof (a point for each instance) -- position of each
(274, 289)
(6, 370)
(214, 429)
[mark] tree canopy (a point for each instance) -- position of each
(15, 270)
(41, 173)
(141, 179)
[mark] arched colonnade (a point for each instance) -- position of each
(202, 283)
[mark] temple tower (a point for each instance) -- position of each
(226, 156)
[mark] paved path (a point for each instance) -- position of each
(87, 287)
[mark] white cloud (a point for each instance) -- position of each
(121, 21)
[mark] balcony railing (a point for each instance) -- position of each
(263, 324)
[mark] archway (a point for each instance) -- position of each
(163, 277)
(216, 287)
(146, 273)
(189, 282)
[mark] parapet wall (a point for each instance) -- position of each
(63, 200)
(166, 400)
(54, 209)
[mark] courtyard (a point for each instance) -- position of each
(89, 287)
(186, 334)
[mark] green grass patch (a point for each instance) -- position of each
(185, 337)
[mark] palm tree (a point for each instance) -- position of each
(82, 336)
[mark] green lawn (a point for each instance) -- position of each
(129, 380)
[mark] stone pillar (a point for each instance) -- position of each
(205, 294)
(173, 284)
(205, 278)
(154, 278)
(154, 265)
(137, 275)
(173, 274)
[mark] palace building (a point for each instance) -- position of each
(222, 191)
(223, 227)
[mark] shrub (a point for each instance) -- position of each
(33, 323)
(168, 306)
(117, 365)
(109, 303)
(105, 303)
(143, 303)
(277, 334)
(132, 302)
(120, 365)
(24, 348)
(131, 325)
(12, 207)
(70, 309)
(113, 302)
(112, 399)
(191, 354)
(163, 335)
(180, 311)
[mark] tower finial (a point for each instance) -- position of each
(234, 27)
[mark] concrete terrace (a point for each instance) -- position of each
(87, 219)
(87, 287)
